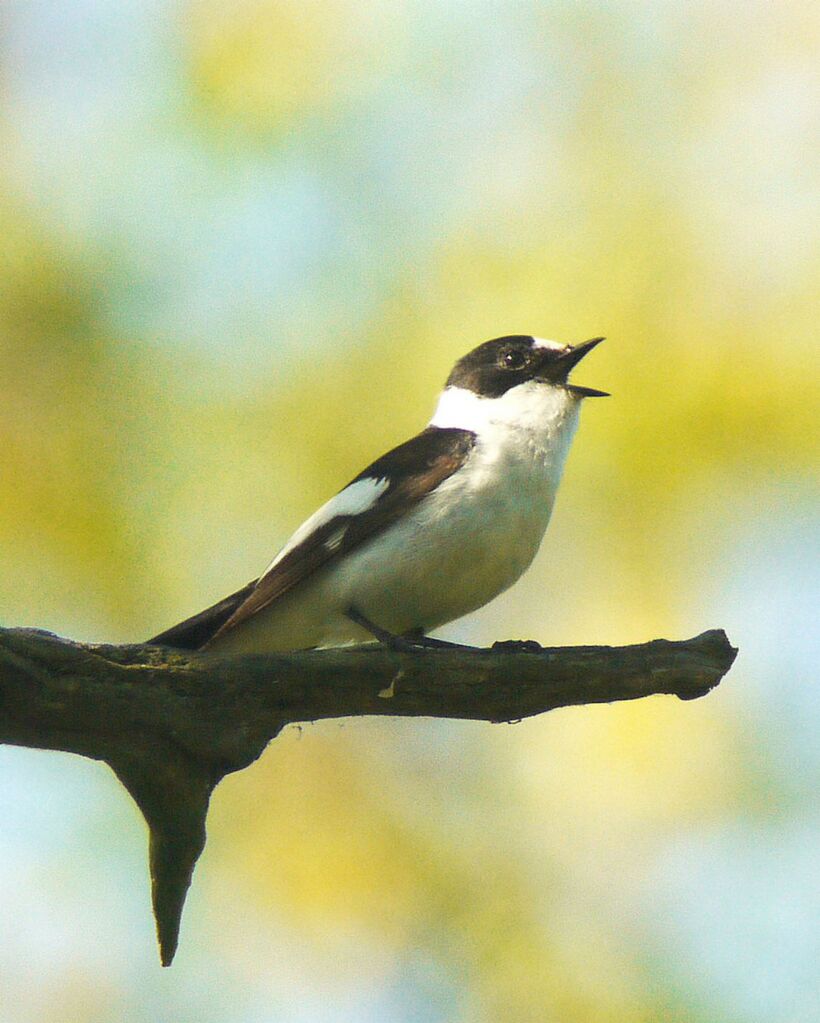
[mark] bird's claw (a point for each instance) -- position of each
(516, 646)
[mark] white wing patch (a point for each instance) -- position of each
(335, 539)
(353, 500)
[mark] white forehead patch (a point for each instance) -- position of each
(541, 342)
(353, 500)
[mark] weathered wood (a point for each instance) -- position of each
(171, 724)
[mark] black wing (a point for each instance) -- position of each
(409, 473)
(198, 629)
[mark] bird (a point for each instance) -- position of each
(430, 531)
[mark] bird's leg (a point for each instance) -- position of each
(417, 637)
(389, 639)
(409, 642)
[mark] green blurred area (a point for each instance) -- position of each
(636, 171)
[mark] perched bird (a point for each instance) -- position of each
(430, 531)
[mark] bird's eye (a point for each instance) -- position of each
(513, 358)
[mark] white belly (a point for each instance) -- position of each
(457, 549)
(453, 554)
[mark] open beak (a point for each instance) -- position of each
(568, 360)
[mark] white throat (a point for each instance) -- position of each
(537, 409)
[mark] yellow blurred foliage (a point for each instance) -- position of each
(647, 181)
(257, 67)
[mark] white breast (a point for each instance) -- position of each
(479, 530)
(462, 545)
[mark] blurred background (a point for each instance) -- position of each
(242, 244)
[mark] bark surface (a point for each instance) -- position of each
(171, 724)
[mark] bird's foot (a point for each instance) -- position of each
(410, 642)
(516, 646)
(417, 637)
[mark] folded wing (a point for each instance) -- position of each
(380, 494)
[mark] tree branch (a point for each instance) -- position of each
(172, 724)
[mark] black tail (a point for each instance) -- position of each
(195, 632)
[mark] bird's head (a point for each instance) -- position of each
(497, 366)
